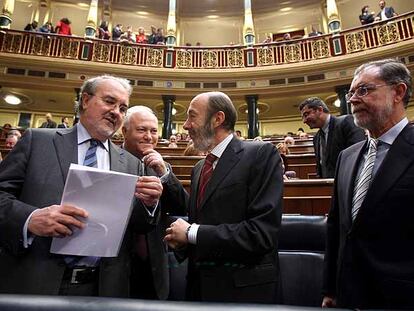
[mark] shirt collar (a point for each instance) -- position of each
(389, 136)
(84, 136)
(325, 127)
(219, 149)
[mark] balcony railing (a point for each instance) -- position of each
(350, 41)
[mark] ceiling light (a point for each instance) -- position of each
(142, 12)
(174, 111)
(286, 9)
(12, 99)
(337, 103)
(83, 5)
(212, 16)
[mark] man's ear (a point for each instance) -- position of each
(219, 118)
(124, 130)
(400, 91)
(85, 100)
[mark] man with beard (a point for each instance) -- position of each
(32, 179)
(234, 210)
(335, 134)
(150, 274)
(369, 262)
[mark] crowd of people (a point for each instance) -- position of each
(368, 17)
(234, 208)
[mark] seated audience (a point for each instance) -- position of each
(314, 32)
(141, 37)
(173, 142)
(5, 130)
(287, 37)
(179, 137)
(31, 27)
(65, 123)
(366, 17)
(49, 123)
(289, 140)
(159, 37)
(46, 28)
(151, 37)
(268, 39)
(63, 27)
(303, 135)
(117, 32)
(11, 141)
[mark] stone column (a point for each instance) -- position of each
(345, 107)
(168, 106)
(7, 13)
(92, 23)
(334, 22)
(172, 25)
(248, 27)
(253, 120)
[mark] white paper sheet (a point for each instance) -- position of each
(107, 196)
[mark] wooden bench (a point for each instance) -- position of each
(170, 151)
(301, 149)
(303, 164)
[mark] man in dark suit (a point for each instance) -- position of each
(150, 273)
(64, 124)
(234, 210)
(385, 12)
(32, 179)
(369, 262)
(49, 123)
(334, 135)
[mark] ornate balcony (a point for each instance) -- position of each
(328, 47)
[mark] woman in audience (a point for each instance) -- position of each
(46, 28)
(366, 17)
(179, 136)
(63, 27)
(173, 142)
(141, 36)
(103, 31)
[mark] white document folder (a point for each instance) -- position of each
(107, 197)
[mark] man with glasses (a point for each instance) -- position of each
(32, 179)
(335, 134)
(369, 261)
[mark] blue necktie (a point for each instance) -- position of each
(91, 161)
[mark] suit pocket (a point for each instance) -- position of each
(260, 274)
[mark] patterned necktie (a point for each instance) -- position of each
(91, 161)
(205, 176)
(90, 156)
(364, 179)
(322, 148)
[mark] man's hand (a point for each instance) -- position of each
(176, 234)
(328, 302)
(155, 161)
(148, 189)
(56, 220)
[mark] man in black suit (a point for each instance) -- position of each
(32, 179)
(334, 135)
(234, 210)
(385, 12)
(369, 262)
(49, 123)
(150, 273)
(64, 124)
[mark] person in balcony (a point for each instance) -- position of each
(46, 28)
(117, 32)
(141, 37)
(49, 123)
(103, 31)
(159, 37)
(287, 37)
(31, 27)
(366, 17)
(151, 37)
(315, 32)
(128, 36)
(385, 12)
(63, 27)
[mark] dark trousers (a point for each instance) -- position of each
(141, 281)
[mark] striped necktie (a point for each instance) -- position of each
(205, 176)
(365, 177)
(90, 156)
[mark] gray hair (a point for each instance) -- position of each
(218, 101)
(391, 71)
(90, 86)
(137, 109)
(314, 103)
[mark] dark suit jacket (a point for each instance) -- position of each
(235, 258)
(51, 124)
(369, 263)
(342, 133)
(33, 176)
(174, 201)
(62, 126)
(389, 12)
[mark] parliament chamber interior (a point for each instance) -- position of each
(267, 56)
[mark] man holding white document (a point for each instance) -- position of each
(32, 179)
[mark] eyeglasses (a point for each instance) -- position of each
(114, 103)
(362, 90)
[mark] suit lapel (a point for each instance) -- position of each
(397, 160)
(229, 158)
(64, 141)
(117, 158)
(331, 130)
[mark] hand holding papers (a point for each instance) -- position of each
(107, 197)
